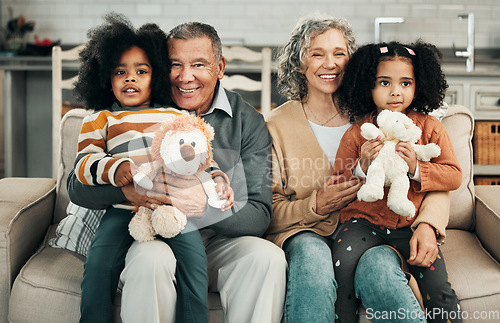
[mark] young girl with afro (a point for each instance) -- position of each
(124, 78)
(408, 79)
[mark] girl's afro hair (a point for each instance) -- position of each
(354, 95)
(102, 53)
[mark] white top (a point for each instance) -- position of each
(329, 138)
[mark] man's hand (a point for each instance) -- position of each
(185, 193)
(423, 246)
(137, 195)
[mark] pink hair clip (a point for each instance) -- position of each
(410, 51)
(383, 50)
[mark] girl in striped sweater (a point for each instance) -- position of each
(124, 77)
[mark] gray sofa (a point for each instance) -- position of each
(39, 283)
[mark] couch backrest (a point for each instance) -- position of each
(459, 124)
(458, 121)
(69, 131)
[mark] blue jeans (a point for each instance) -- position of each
(383, 288)
(312, 290)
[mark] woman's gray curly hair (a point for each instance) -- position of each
(292, 82)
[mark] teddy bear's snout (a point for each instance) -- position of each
(187, 152)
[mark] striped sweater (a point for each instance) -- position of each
(111, 137)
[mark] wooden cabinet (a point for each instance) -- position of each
(480, 92)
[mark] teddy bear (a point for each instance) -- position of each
(181, 146)
(388, 168)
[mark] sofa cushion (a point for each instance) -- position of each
(473, 273)
(76, 231)
(48, 287)
(459, 124)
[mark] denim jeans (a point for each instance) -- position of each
(312, 290)
(383, 288)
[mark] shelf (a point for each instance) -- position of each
(486, 170)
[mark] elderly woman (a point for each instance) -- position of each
(306, 133)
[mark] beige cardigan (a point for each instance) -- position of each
(300, 168)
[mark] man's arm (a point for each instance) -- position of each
(253, 194)
(93, 197)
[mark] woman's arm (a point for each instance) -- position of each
(332, 196)
(429, 227)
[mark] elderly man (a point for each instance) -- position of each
(248, 272)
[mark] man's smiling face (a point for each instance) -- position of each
(194, 73)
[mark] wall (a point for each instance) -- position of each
(268, 22)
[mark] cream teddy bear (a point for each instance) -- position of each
(388, 168)
(181, 146)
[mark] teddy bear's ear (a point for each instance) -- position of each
(207, 129)
(382, 117)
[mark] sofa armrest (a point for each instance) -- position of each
(488, 218)
(26, 211)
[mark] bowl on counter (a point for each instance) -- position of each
(38, 50)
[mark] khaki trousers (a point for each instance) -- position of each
(248, 272)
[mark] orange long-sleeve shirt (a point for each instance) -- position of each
(442, 173)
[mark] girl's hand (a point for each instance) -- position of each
(124, 173)
(369, 151)
(406, 151)
(423, 246)
(336, 193)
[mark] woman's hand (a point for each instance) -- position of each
(423, 246)
(336, 193)
(406, 151)
(369, 151)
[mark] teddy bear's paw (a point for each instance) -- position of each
(431, 150)
(140, 229)
(214, 202)
(403, 208)
(168, 221)
(370, 193)
(143, 181)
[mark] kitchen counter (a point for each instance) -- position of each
(32, 63)
(480, 69)
(487, 63)
(44, 63)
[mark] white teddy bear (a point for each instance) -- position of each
(388, 168)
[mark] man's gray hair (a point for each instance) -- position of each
(190, 30)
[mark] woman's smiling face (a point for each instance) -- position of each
(325, 60)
